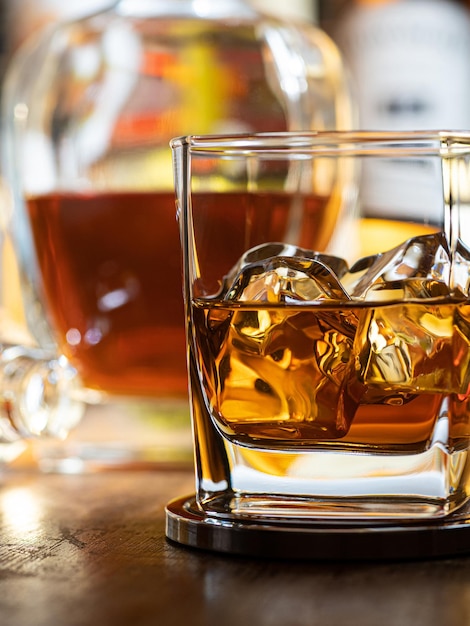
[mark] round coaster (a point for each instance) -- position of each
(322, 540)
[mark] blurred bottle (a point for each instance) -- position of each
(90, 107)
(409, 60)
(410, 66)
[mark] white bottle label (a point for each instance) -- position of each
(410, 62)
(410, 65)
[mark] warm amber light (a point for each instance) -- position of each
(21, 513)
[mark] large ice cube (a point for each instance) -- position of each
(411, 348)
(274, 273)
(416, 346)
(266, 251)
(288, 374)
(418, 268)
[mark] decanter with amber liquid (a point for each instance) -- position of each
(89, 109)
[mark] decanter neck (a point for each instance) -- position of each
(193, 8)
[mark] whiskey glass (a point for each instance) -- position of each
(326, 280)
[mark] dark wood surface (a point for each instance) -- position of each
(91, 550)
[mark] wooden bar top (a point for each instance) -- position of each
(90, 549)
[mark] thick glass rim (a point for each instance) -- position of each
(406, 143)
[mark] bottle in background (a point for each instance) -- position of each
(409, 61)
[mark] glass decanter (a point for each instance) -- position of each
(40, 393)
(89, 109)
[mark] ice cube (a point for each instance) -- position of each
(406, 289)
(412, 348)
(285, 279)
(420, 267)
(266, 251)
(289, 373)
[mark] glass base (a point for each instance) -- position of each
(122, 435)
(326, 540)
(355, 483)
(272, 507)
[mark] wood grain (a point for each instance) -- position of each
(90, 550)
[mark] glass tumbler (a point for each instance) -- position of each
(326, 281)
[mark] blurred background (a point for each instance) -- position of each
(409, 60)
(19, 18)
(142, 428)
